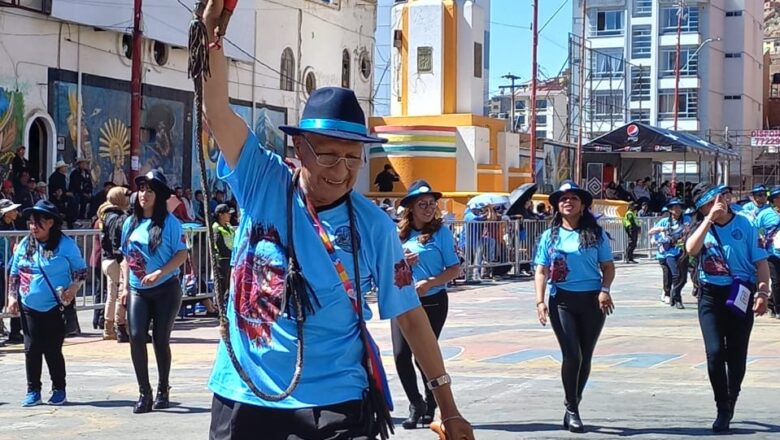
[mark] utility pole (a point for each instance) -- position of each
(680, 12)
(581, 104)
(135, 94)
(534, 67)
(510, 76)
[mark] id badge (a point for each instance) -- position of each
(739, 298)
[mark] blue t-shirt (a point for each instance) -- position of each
(263, 336)
(768, 223)
(572, 268)
(141, 260)
(737, 257)
(670, 241)
(63, 266)
(435, 256)
(751, 210)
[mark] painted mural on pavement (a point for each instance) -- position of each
(11, 127)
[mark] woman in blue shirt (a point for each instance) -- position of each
(670, 235)
(47, 271)
(575, 256)
(430, 251)
(734, 280)
(154, 248)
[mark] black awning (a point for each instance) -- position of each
(636, 137)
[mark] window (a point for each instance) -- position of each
(688, 101)
(160, 53)
(642, 115)
(43, 6)
(608, 63)
(541, 134)
(640, 83)
(310, 83)
(734, 55)
(424, 59)
(541, 104)
(127, 46)
(607, 104)
(541, 119)
(734, 14)
(345, 69)
(690, 20)
(365, 65)
(519, 120)
(477, 60)
(689, 63)
(606, 23)
(287, 70)
(643, 8)
(732, 97)
(640, 42)
(519, 105)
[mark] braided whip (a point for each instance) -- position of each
(198, 70)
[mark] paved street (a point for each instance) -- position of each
(649, 378)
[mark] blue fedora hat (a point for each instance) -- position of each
(569, 186)
(157, 181)
(674, 202)
(44, 207)
(416, 189)
(774, 193)
(760, 188)
(333, 112)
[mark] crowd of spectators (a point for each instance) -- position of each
(648, 195)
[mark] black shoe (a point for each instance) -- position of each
(162, 400)
(416, 411)
(725, 412)
(679, 305)
(14, 338)
(430, 411)
(572, 422)
(121, 334)
(144, 404)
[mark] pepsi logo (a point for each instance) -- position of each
(632, 130)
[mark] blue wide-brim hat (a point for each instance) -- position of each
(758, 189)
(44, 207)
(774, 193)
(416, 189)
(569, 186)
(674, 202)
(726, 188)
(704, 193)
(333, 112)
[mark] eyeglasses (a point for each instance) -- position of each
(426, 205)
(331, 160)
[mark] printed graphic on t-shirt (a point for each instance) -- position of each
(403, 274)
(559, 270)
(713, 262)
(136, 263)
(259, 283)
(343, 238)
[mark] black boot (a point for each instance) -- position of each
(144, 404)
(721, 423)
(732, 407)
(430, 411)
(121, 334)
(162, 401)
(571, 419)
(416, 411)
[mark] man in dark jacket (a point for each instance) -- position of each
(58, 179)
(81, 186)
(19, 164)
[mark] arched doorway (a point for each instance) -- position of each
(40, 141)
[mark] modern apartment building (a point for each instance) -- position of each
(630, 59)
(551, 108)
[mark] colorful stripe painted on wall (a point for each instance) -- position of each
(422, 141)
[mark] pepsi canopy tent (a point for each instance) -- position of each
(636, 139)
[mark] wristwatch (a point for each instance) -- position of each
(438, 382)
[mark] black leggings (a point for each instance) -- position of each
(435, 307)
(774, 273)
(577, 321)
(160, 305)
(44, 333)
(726, 339)
(633, 236)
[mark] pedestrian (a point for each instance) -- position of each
(669, 234)
(19, 163)
(430, 251)
(58, 178)
(767, 222)
(111, 217)
(575, 256)
(734, 278)
(757, 203)
(80, 186)
(199, 208)
(385, 179)
(310, 218)
(46, 273)
(631, 225)
(9, 211)
(224, 236)
(154, 247)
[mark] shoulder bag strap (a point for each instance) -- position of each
(46, 277)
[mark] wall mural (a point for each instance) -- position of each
(105, 133)
(265, 126)
(11, 127)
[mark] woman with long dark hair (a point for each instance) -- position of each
(154, 248)
(670, 234)
(47, 271)
(430, 251)
(575, 256)
(734, 285)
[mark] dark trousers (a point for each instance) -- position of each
(726, 338)
(577, 321)
(774, 273)
(435, 307)
(667, 278)
(44, 333)
(238, 421)
(678, 275)
(633, 236)
(160, 305)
